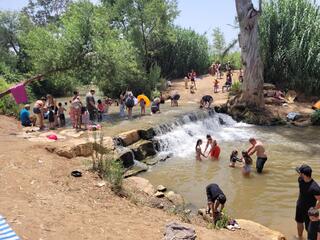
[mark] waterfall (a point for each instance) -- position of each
(179, 137)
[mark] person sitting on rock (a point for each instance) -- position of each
(216, 198)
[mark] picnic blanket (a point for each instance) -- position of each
(6, 233)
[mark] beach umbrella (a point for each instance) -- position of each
(145, 98)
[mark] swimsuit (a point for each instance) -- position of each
(260, 163)
(215, 152)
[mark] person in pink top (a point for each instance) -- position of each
(101, 109)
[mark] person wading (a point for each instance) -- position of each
(257, 147)
(309, 196)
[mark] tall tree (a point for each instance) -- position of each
(148, 23)
(42, 12)
(219, 42)
(252, 88)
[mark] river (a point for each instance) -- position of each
(268, 198)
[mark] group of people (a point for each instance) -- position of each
(191, 76)
(256, 147)
(307, 206)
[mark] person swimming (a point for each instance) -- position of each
(199, 150)
(234, 158)
(247, 162)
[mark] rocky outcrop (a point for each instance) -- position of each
(139, 185)
(143, 149)
(175, 198)
(146, 134)
(125, 156)
(137, 168)
(128, 138)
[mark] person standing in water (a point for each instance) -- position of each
(309, 196)
(215, 150)
(209, 142)
(258, 148)
(199, 150)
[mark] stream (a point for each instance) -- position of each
(268, 198)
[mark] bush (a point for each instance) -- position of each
(315, 117)
(7, 104)
(223, 220)
(236, 88)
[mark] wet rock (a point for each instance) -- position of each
(130, 137)
(138, 184)
(175, 198)
(159, 194)
(126, 157)
(143, 149)
(147, 134)
(161, 188)
(151, 161)
(133, 171)
(162, 159)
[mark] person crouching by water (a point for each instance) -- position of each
(155, 106)
(247, 162)
(258, 148)
(215, 151)
(309, 196)
(199, 150)
(234, 158)
(216, 198)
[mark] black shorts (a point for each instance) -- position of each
(36, 110)
(62, 117)
(302, 216)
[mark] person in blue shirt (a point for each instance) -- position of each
(25, 116)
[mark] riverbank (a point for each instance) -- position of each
(41, 200)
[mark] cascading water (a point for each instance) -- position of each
(181, 136)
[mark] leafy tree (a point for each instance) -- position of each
(219, 43)
(147, 23)
(43, 12)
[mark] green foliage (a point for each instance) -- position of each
(234, 58)
(222, 222)
(236, 87)
(289, 40)
(219, 43)
(7, 104)
(188, 51)
(315, 118)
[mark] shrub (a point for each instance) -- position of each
(223, 220)
(236, 88)
(7, 103)
(315, 117)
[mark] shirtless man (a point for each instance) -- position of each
(258, 148)
(209, 143)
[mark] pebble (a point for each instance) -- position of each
(161, 188)
(159, 194)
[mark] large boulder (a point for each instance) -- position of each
(147, 134)
(138, 184)
(137, 168)
(259, 231)
(128, 138)
(126, 156)
(175, 198)
(143, 149)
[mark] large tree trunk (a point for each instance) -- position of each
(252, 88)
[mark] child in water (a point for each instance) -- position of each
(234, 158)
(199, 151)
(247, 162)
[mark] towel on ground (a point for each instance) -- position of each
(6, 233)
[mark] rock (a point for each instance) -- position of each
(143, 149)
(147, 134)
(166, 157)
(161, 188)
(100, 184)
(159, 194)
(175, 198)
(107, 144)
(176, 231)
(151, 161)
(136, 169)
(269, 86)
(130, 137)
(206, 217)
(259, 231)
(134, 184)
(126, 157)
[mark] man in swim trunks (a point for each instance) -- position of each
(258, 148)
(215, 198)
(206, 101)
(309, 196)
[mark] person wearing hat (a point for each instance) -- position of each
(216, 198)
(309, 196)
(25, 117)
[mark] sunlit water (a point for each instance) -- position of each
(268, 198)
